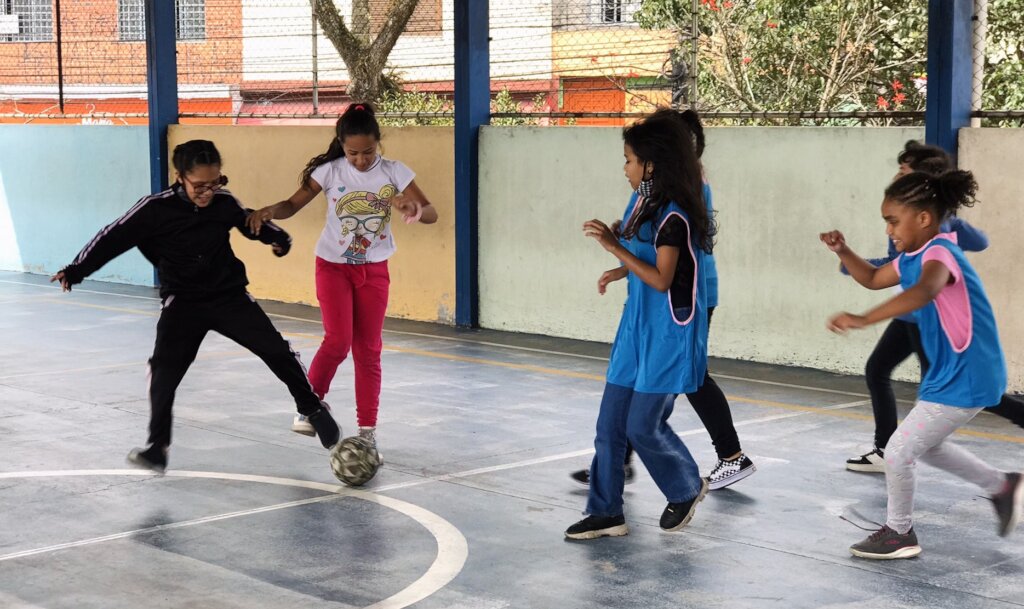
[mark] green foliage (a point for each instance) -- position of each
(828, 55)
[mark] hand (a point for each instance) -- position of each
(601, 233)
(833, 240)
(64, 285)
(617, 228)
(258, 217)
(608, 277)
(411, 209)
(846, 321)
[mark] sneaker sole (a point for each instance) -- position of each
(720, 484)
(1018, 499)
(907, 552)
(616, 531)
(305, 431)
(693, 508)
(866, 469)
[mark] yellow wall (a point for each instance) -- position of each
(587, 53)
(263, 164)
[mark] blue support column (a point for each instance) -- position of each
(472, 109)
(162, 78)
(950, 71)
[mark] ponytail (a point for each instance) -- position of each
(358, 119)
(943, 194)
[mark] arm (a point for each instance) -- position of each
(968, 237)
(658, 276)
(934, 277)
(414, 205)
(285, 209)
(869, 276)
(274, 235)
(120, 236)
(607, 277)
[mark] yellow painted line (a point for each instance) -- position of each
(582, 375)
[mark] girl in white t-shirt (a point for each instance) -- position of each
(352, 281)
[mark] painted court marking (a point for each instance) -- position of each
(452, 548)
(557, 372)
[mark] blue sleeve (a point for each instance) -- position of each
(969, 239)
(877, 262)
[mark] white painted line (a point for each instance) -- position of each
(491, 344)
(452, 548)
(589, 451)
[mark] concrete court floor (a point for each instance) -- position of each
(479, 431)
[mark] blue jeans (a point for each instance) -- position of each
(642, 418)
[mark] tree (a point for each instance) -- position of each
(365, 57)
(792, 55)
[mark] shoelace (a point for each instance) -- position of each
(877, 528)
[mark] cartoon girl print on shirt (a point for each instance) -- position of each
(366, 216)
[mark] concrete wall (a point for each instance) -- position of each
(775, 189)
(994, 155)
(60, 185)
(264, 163)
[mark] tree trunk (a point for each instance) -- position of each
(365, 59)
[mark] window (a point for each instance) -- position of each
(615, 11)
(189, 19)
(35, 20)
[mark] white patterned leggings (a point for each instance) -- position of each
(924, 435)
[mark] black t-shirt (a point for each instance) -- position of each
(674, 232)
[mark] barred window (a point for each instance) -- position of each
(35, 20)
(615, 11)
(189, 19)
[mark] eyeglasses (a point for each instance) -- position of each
(201, 188)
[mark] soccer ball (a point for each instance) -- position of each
(355, 461)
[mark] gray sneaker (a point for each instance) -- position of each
(887, 544)
(1008, 503)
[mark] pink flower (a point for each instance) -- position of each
(883, 104)
(771, 24)
(747, 60)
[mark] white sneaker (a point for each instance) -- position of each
(872, 462)
(301, 425)
(370, 433)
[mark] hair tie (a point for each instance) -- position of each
(359, 107)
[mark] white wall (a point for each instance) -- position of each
(775, 189)
(994, 155)
(277, 43)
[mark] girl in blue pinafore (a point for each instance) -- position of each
(660, 349)
(967, 372)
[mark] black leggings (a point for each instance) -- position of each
(712, 407)
(900, 340)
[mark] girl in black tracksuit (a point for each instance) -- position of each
(184, 232)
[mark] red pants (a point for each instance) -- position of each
(353, 299)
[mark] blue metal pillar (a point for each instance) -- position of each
(472, 109)
(162, 78)
(950, 71)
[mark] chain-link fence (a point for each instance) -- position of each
(552, 61)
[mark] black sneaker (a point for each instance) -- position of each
(887, 544)
(326, 429)
(1008, 503)
(583, 476)
(593, 527)
(678, 515)
(872, 462)
(154, 458)
(730, 472)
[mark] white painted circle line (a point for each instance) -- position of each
(452, 548)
